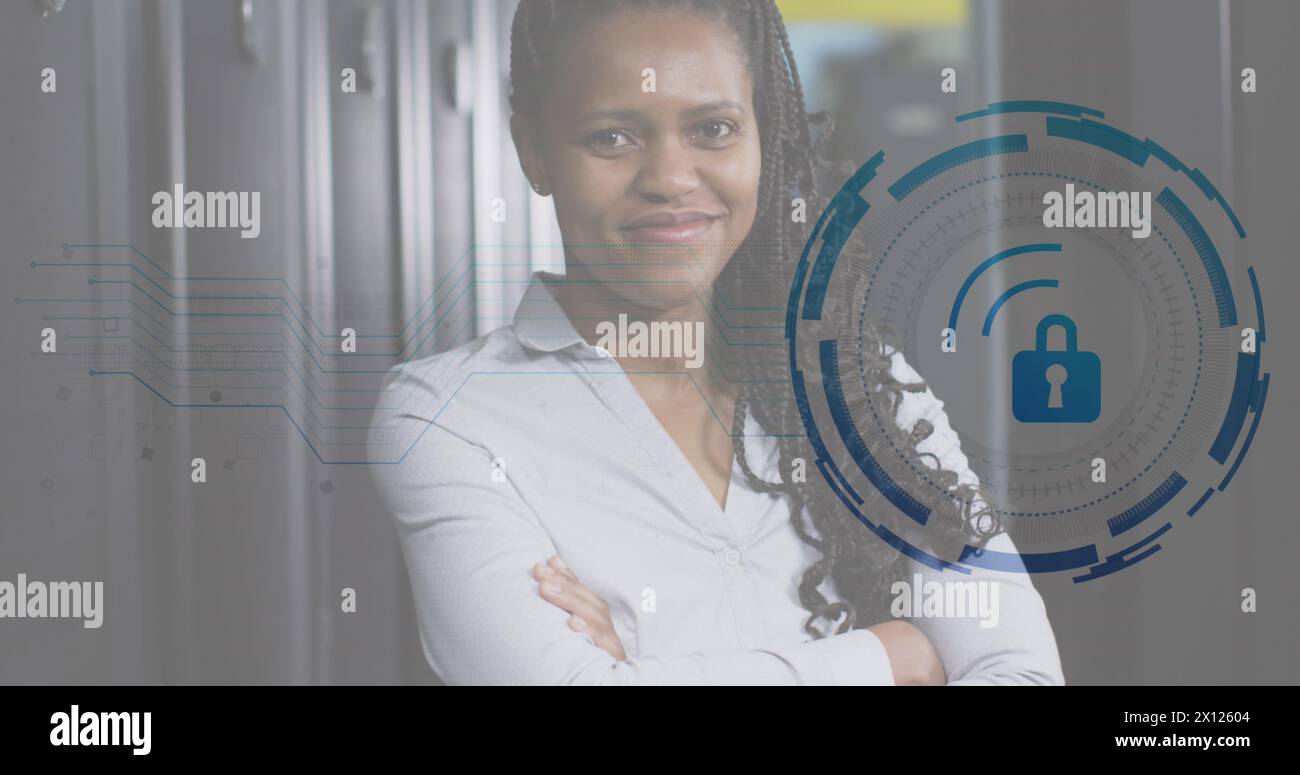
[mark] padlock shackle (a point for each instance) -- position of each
(1064, 321)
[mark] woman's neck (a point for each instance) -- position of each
(644, 338)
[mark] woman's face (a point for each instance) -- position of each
(654, 189)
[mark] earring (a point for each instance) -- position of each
(538, 188)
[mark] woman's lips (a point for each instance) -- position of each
(670, 227)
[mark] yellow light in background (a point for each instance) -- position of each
(898, 13)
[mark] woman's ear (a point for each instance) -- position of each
(527, 145)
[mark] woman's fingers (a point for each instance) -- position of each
(561, 593)
(560, 566)
(604, 639)
(570, 595)
(559, 586)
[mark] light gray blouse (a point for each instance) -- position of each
(528, 442)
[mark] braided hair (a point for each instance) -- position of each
(859, 564)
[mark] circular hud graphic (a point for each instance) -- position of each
(1104, 377)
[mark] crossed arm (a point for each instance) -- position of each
(469, 543)
(913, 660)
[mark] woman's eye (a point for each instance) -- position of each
(609, 140)
(716, 133)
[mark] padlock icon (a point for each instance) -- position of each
(1056, 386)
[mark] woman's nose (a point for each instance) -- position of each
(668, 172)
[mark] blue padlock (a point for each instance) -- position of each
(1056, 386)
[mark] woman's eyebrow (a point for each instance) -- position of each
(636, 115)
(713, 107)
(616, 115)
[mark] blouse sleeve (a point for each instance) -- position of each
(1016, 645)
(470, 542)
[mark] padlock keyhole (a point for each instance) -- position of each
(1056, 376)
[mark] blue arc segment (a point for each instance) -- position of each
(853, 440)
(1204, 246)
(1213, 195)
(1030, 562)
(1127, 557)
(956, 156)
(847, 208)
(848, 212)
(1200, 501)
(1037, 247)
(1012, 291)
(1262, 392)
(1100, 135)
(1259, 302)
(1148, 505)
(1031, 106)
(824, 463)
(1243, 386)
(1171, 161)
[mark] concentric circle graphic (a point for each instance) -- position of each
(1104, 376)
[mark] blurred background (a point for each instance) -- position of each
(372, 202)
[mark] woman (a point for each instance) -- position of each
(573, 507)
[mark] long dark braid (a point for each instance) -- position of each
(859, 564)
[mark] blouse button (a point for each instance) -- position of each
(731, 557)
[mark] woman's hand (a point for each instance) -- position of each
(590, 614)
(911, 655)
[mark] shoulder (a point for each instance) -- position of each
(420, 387)
(417, 393)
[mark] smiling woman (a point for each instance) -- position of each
(671, 531)
(669, 174)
